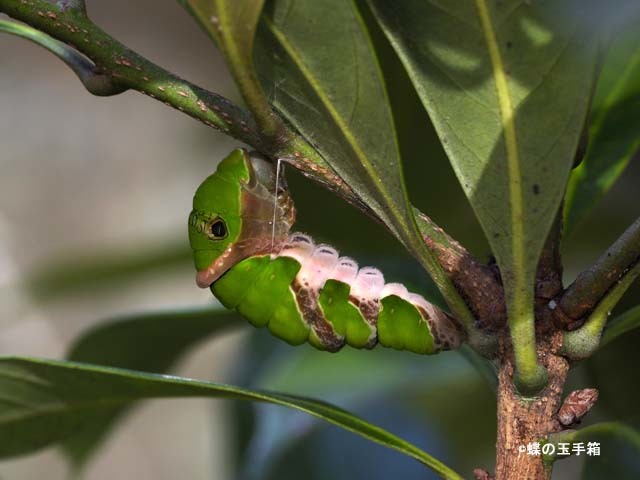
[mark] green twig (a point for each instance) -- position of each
(68, 24)
(582, 343)
(128, 69)
(529, 377)
(95, 83)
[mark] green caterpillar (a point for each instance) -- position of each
(302, 292)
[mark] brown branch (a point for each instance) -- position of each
(476, 282)
(67, 22)
(592, 284)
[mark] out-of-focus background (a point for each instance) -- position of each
(94, 196)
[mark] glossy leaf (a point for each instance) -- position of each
(507, 85)
(619, 451)
(150, 342)
(620, 458)
(232, 25)
(380, 376)
(613, 134)
(44, 401)
(336, 98)
(620, 325)
(334, 95)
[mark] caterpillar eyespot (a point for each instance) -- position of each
(218, 229)
(300, 291)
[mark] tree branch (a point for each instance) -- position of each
(66, 21)
(583, 342)
(127, 68)
(477, 283)
(94, 82)
(591, 285)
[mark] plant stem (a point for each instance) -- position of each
(582, 343)
(525, 420)
(128, 69)
(591, 285)
(95, 83)
(112, 61)
(530, 376)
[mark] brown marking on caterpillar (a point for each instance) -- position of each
(440, 340)
(369, 309)
(307, 300)
(446, 333)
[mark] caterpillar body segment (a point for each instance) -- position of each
(300, 291)
(307, 293)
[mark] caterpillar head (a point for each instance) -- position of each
(232, 215)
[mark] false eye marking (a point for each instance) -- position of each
(218, 229)
(210, 225)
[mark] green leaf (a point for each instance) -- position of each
(620, 452)
(507, 85)
(232, 26)
(613, 134)
(88, 271)
(619, 455)
(319, 68)
(151, 342)
(343, 111)
(44, 401)
(620, 325)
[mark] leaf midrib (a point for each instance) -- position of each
(509, 131)
(336, 117)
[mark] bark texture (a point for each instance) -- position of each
(525, 420)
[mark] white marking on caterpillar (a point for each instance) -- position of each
(319, 266)
(322, 262)
(299, 247)
(396, 289)
(319, 263)
(368, 284)
(346, 270)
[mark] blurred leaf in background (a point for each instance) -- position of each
(613, 136)
(384, 385)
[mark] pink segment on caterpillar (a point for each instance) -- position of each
(322, 262)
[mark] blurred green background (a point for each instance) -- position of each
(94, 197)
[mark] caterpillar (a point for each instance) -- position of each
(239, 231)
